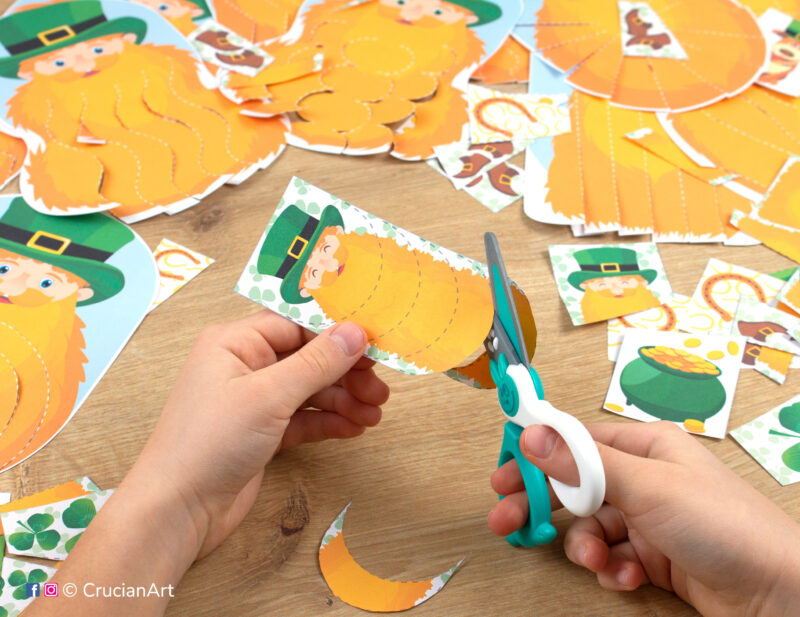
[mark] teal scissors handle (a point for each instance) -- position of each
(537, 530)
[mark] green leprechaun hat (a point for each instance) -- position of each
(793, 29)
(77, 244)
(38, 31)
(289, 243)
(485, 11)
(607, 261)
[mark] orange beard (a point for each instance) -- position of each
(602, 305)
(44, 345)
(167, 138)
(368, 83)
(422, 310)
(257, 20)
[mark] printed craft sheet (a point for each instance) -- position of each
(683, 378)
(599, 282)
(774, 441)
(322, 260)
(767, 326)
(662, 318)
(782, 32)
(17, 575)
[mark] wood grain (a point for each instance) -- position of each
(420, 480)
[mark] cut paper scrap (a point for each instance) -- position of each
(509, 64)
(717, 295)
(177, 265)
(218, 45)
(603, 180)
(662, 318)
(499, 187)
(782, 32)
(499, 116)
(774, 441)
(12, 155)
(68, 490)
(725, 48)
(767, 326)
(392, 76)
(135, 129)
(682, 378)
(321, 260)
(355, 586)
(775, 220)
(789, 296)
(463, 162)
(769, 362)
(750, 135)
(51, 531)
(599, 282)
(72, 292)
(17, 575)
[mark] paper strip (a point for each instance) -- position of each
(177, 265)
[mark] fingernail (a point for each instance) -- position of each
(581, 554)
(349, 337)
(624, 577)
(538, 441)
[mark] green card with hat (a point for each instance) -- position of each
(34, 32)
(288, 244)
(77, 244)
(607, 261)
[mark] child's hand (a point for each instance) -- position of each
(675, 516)
(248, 389)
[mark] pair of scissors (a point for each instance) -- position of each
(521, 396)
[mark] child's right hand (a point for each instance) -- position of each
(675, 516)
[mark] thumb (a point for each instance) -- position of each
(317, 364)
(630, 479)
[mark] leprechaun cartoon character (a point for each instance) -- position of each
(118, 121)
(383, 62)
(424, 310)
(49, 266)
(612, 283)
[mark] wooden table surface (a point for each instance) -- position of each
(419, 481)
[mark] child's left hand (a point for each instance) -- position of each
(248, 389)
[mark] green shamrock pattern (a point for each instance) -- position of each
(35, 531)
(15, 577)
(774, 441)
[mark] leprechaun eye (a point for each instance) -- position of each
(438, 12)
(163, 7)
(401, 2)
(59, 63)
(45, 283)
(4, 269)
(98, 50)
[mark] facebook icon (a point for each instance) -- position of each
(32, 590)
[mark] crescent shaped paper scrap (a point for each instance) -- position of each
(12, 155)
(653, 56)
(377, 75)
(118, 117)
(354, 585)
(509, 64)
(321, 261)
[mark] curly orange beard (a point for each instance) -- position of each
(603, 305)
(421, 309)
(44, 345)
(167, 138)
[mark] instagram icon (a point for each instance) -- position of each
(50, 590)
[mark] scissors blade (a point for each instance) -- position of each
(505, 310)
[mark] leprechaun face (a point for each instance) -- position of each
(326, 262)
(614, 286)
(77, 61)
(29, 282)
(426, 12)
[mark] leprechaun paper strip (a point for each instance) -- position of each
(776, 219)
(72, 291)
(767, 326)
(354, 585)
(774, 441)
(321, 260)
(177, 265)
(498, 116)
(599, 282)
(51, 531)
(463, 162)
(17, 574)
(384, 63)
(499, 187)
(687, 379)
(509, 64)
(782, 32)
(593, 44)
(160, 140)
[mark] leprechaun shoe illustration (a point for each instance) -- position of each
(49, 266)
(424, 310)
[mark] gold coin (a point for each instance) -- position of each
(715, 355)
(733, 348)
(692, 342)
(695, 426)
(615, 407)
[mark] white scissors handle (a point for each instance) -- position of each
(586, 498)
